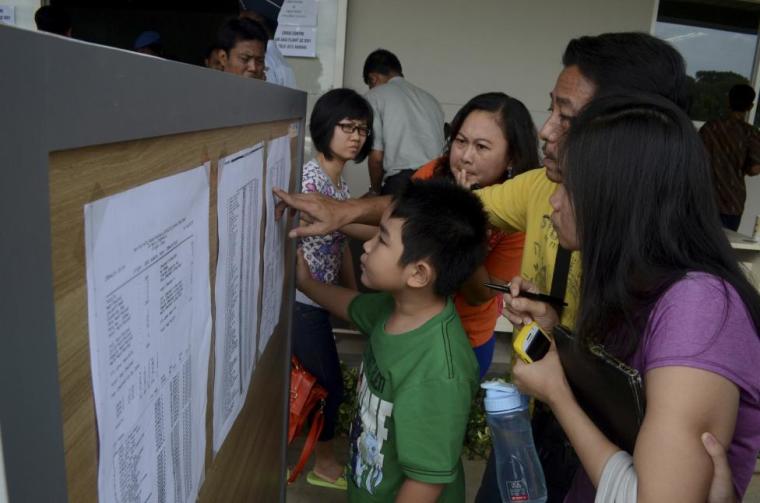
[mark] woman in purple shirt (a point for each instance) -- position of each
(662, 290)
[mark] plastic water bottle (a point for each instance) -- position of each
(518, 469)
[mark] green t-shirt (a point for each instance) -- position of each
(414, 394)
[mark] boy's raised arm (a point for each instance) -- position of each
(334, 298)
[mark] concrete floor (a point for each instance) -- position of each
(303, 492)
(350, 348)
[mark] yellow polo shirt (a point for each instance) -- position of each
(522, 204)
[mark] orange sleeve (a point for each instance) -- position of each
(426, 171)
(504, 259)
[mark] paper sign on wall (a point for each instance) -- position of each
(7, 14)
(298, 13)
(298, 41)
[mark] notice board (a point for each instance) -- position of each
(111, 121)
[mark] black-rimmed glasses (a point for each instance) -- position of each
(349, 128)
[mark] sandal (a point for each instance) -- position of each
(315, 480)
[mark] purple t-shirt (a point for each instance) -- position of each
(694, 325)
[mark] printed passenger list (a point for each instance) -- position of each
(240, 212)
(278, 175)
(147, 252)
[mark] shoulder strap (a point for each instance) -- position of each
(561, 270)
(311, 440)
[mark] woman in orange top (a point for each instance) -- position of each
(492, 138)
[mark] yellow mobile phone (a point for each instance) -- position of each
(531, 343)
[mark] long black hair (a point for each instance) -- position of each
(640, 185)
(516, 124)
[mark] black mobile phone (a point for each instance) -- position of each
(531, 343)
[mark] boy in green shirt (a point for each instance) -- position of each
(418, 374)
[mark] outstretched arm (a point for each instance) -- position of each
(321, 214)
(362, 232)
(334, 298)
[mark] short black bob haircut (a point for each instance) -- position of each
(383, 62)
(516, 124)
(631, 60)
(333, 107)
(639, 180)
(234, 30)
(444, 224)
(740, 97)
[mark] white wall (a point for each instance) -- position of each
(752, 206)
(25, 10)
(318, 75)
(456, 49)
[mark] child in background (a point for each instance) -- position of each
(340, 130)
(418, 374)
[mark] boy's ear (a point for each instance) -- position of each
(422, 275)
(223, 58)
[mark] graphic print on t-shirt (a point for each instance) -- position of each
(368, 434)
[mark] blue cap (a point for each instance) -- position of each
(502, 397)
(147, 38)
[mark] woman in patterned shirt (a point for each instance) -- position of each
(341, 130)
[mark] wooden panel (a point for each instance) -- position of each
(252, 458)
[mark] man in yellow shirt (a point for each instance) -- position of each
(592, 66)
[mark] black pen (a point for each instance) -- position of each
(541, 297)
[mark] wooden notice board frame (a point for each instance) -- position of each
(86, 122)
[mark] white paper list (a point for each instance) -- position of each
(148, 291)
(278, 175)
(240, 211)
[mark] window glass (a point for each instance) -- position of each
(715, 61)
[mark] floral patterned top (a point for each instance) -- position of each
(324, 254)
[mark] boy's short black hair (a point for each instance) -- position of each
(235, 30)
(740, 97)
(381, 61)
(331, 108)
(445, 224)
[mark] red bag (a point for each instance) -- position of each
(305, 396)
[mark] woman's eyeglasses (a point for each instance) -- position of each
(349, 128)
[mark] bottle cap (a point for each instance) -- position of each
(502, 397)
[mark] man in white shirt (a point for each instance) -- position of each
(407, 130)
(265, 12)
